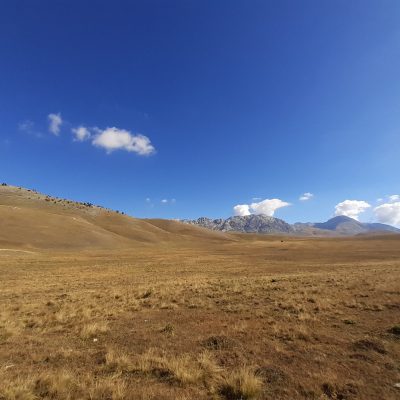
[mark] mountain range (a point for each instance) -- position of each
(31, 221)
(340, 225)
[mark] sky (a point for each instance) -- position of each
(182, 109)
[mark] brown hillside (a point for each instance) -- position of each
(29, 219)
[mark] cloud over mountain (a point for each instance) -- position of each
(388, 213)
(265, 207)
(351, 208)
(241, 210)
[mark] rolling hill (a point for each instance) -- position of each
(29, 219)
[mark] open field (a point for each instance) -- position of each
(98, 305)
(266, 319)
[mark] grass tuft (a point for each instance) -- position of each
(93, 329)
(242, 384)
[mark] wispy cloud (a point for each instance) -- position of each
(55, 122)
(168, 201)
(81, 133)
(306, 196)
(28, 126)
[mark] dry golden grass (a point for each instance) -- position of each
(93, 329)
(95, 326)
(198, 317)
(242, 384)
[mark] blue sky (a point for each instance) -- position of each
(214, 103)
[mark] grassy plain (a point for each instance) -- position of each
(98, 305)
(270, 318)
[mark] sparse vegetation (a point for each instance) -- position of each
(194, 317)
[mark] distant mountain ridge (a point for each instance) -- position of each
(347, 225)
(340, 225)
(249, 224)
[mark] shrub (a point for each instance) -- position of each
(242, 384)
(395, 329)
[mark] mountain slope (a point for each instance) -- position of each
(29, 219)
(342, 225)
(349, 226)
(249, 224)
(337, 226)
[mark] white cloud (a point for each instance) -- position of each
(394, 198)
(168, 201)
(241, 210)
(55, 122)
(266, 207)
(306, 196)
(119, 139)
(81, 133)
(256, 198)
(388, 213)
(28, 127)
(351, 208)
(149, 202)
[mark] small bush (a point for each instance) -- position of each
(395, 330)
(242, 384)
(168, 329)
(183, 370)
